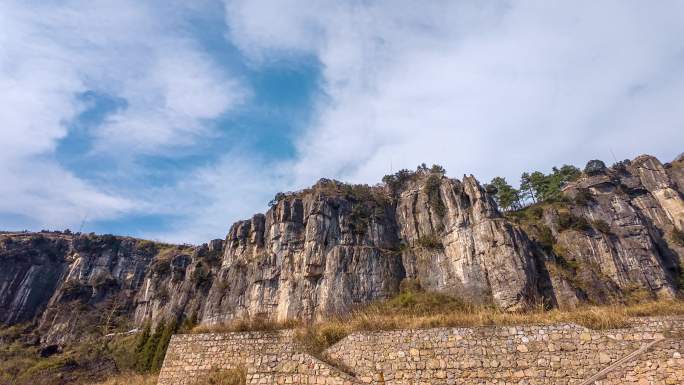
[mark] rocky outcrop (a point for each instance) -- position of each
(458, 243)
(615, 235)
(318, 252)
(32, 268)
(79, 286)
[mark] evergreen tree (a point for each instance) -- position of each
(538, 182)
(437, 169)
(558, 179)
(150, 348)
(140, 345)
(526, 191)
(506, 196)
(162, 345)
(541, 187)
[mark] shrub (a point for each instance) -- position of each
(147, 348)
(601, 226)
(236, 376)
(410, 284)
(315, 338)
(535, 212)
(146, 247)
(161, 266)
(162, 294)
(359, 219)
(559, 250)
(595, 167)
(429, 242)
(434, 196)
(397, 180)
(278, 197)
(150, 348)
(583, 197)
(212, 257)
(569, 264)
(109, 240)
(76, 290)
(201, 276)
(160, 351)
(546, 239)
(437, 169)
(678, 237)
(569, 221)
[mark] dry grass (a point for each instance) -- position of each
(422, 310)
(131, 379)
(426, 310)
(237, 376)
(214, 377)
(247, 325)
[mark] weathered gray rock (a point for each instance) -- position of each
(334, 246)
(478, 255)
(625, 247)
(315, 253)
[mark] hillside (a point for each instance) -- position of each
(614, 236)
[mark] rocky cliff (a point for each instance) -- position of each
(615, 236)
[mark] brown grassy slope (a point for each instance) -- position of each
(130, 379)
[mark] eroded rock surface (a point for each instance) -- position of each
(617, 234)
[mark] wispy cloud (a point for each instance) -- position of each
(483, 87)
(52, 52)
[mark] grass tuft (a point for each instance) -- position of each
(130, 379)
(261, 324)
(237, 376)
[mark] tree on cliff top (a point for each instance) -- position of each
(507, 197)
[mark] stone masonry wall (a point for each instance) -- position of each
(268, 357)
(561, 354)
(558, 354)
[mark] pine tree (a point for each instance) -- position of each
(150, 348)
(538, 183)
(162, 345)
(506, 197)
(526, 191)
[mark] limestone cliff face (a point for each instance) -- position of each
(315, 253)
(31, 269)
(620, 239)
(333, 247)
(459, 243)
(615, 235)
(77, 286)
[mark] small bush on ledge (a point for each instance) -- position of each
(429, 242)
(601, 226)
(678, 237)
(569, 221)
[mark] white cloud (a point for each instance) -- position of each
(486, 88)
(236, 187)
(491, 88)
(50, 52)
(483, 87)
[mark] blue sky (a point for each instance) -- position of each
(171, 120)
